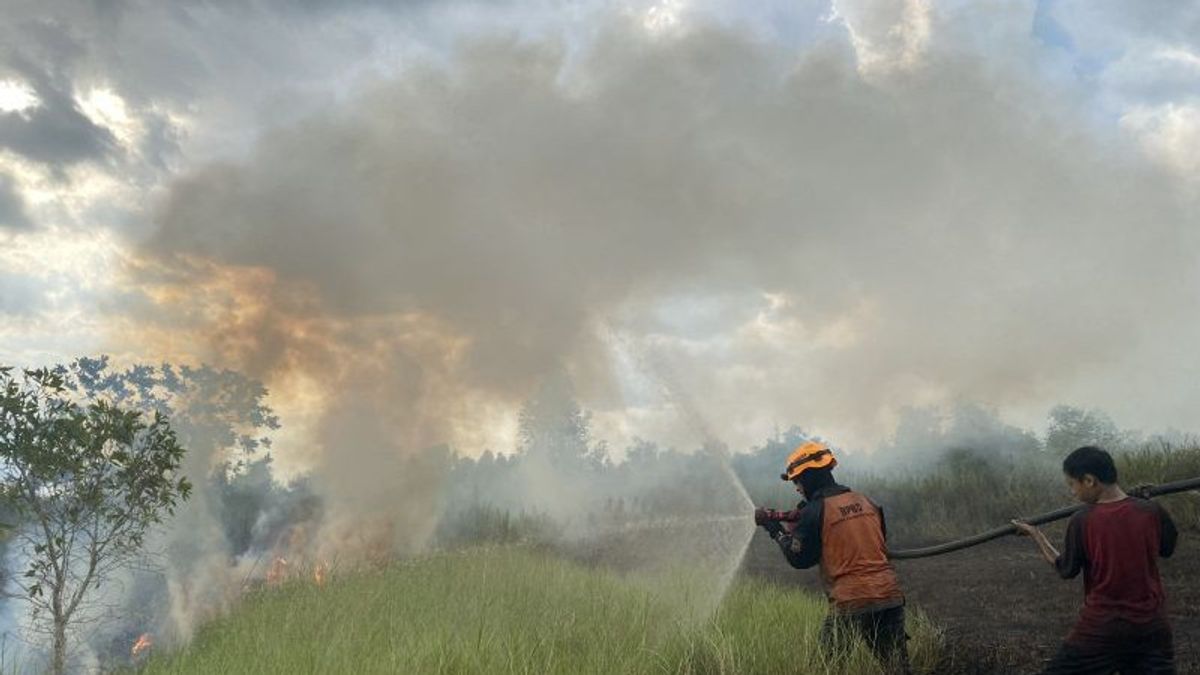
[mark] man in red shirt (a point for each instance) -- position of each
(1115, 540)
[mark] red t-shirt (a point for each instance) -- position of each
(1116, 545)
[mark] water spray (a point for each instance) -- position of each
(737, 537)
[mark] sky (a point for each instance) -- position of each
(717, 217)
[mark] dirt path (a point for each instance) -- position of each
(1003, 609)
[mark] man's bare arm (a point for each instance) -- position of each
(1044, 546)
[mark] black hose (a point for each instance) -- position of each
(1145, 492)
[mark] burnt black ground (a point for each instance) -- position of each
(1003, 609)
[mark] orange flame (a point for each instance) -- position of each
(141, 645)
(319, 573)
(277, 572)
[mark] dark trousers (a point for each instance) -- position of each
(1129, 652)
(882, 630)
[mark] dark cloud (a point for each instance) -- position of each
(56, 132)
(230, 64)
(162, 142)
(12, 206)
(222, 54)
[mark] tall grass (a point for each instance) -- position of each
(966, 492)
(481, 523)
(517, 610)
(1161, 463)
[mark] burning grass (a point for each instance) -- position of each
(517, 610)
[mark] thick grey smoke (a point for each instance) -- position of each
(945, 229)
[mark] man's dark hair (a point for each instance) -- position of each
(815, 479)
(1093, 460)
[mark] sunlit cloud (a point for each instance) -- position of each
(1171, 134)
(887, 35)
(16, 96)
(72, 272)
(106, 108)
(663, 16)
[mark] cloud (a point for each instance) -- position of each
(12, 206)
(1170, 132)
(1143, 53)
(54, 132)
(20, 296)
(1111, 24)
(885, 34)
(187, 82)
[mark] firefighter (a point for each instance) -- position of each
(845, 533)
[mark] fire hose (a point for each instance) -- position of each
(764, 516)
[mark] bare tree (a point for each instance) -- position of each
(87, 479)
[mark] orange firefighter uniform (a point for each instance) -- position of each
(846, 534)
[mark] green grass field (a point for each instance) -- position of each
(519, 610)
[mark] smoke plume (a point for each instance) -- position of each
(796, 233)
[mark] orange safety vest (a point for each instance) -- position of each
(854, 560)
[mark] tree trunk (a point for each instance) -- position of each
(59, 664)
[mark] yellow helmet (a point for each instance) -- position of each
(808, 455)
